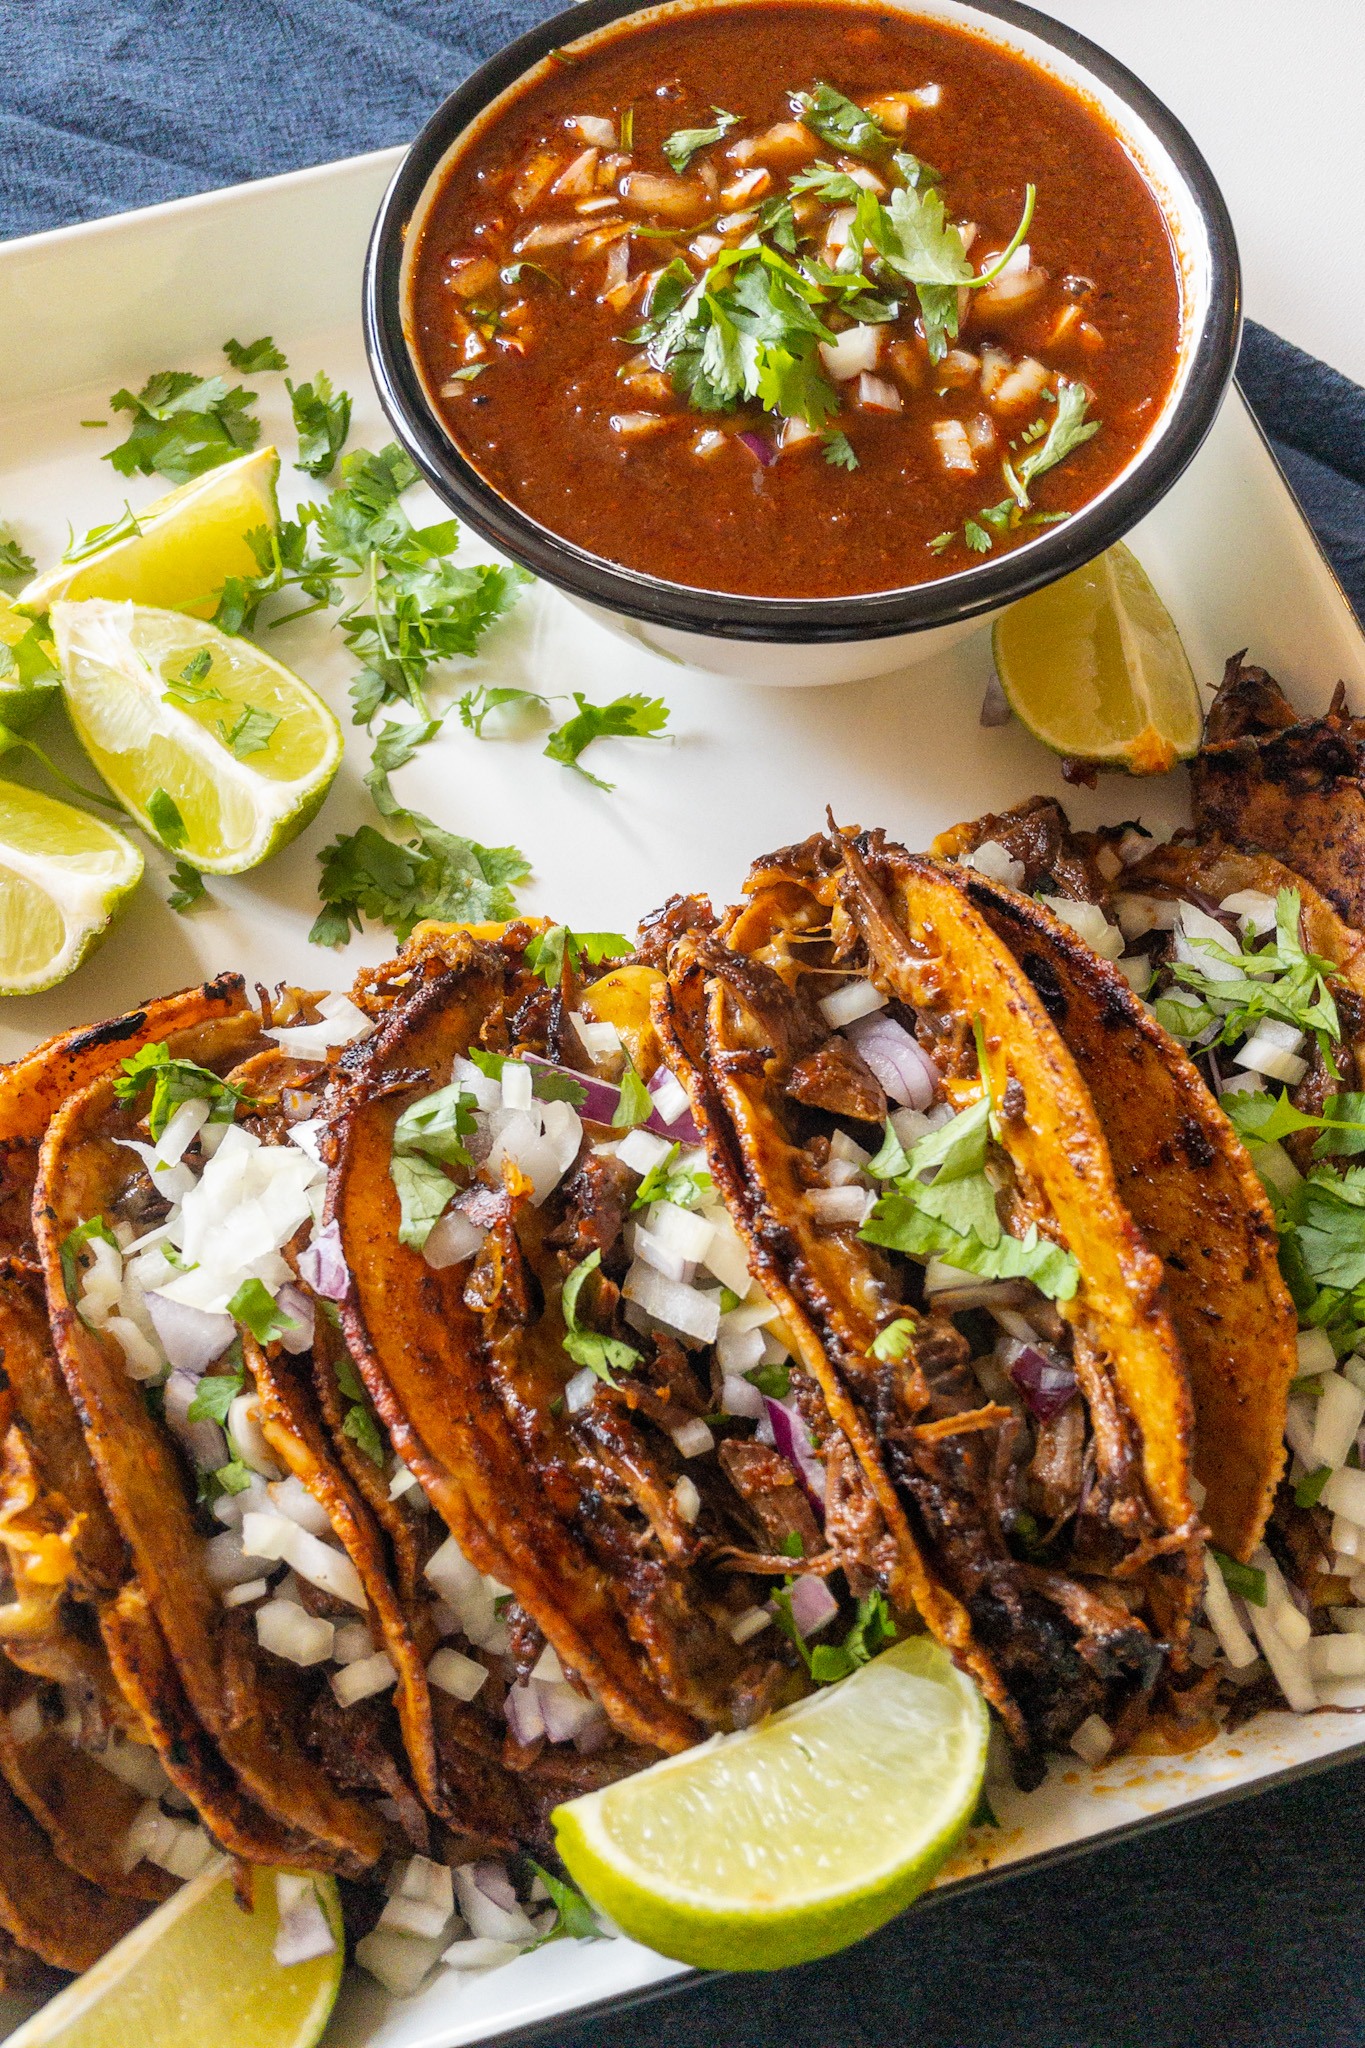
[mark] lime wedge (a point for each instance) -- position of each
(1094, 667)
(220, 753)
(199, 1973)
(181, 548)
(797, 1836)
(63, 874)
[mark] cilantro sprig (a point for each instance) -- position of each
(14, 562)
(322, 419)
(173, 1082)
(183, 425)
(546, 953)
(587, 1347)
(1277, 979)
(633, 716)
(664, 1183)
(682, 145)
(428, 1136)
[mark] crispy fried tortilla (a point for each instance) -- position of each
(1267, 781)
(252, 1706)
(575, 1508)
(46, 1906)
(1052, 1636)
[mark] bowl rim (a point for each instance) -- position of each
(654, 601)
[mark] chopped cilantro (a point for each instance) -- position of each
(976, 537)
(360, 1426)
(252, 357)
(431, 873)
(601, 1355)
(548, 1084)
(748, 328)
(546, 953)
(348, 1379)
(1241, 1578)
(1308, 1492)
(254, 1306)
(1265, 1119)
(838, 121)
(174, 1082)
(683, 144)
(186, 688)
(773, 1380)
(322, 420)
(634, 1105)
(163, 815)
(629, 717)
(74, 1243)
(13, 560)
(1069, 430)
(183, 425)
(1277, 979)
(187, 886)
(125, 527)
(234, 1477)
(250, 732)
(872, 1631)
(663, 1184)
(985, 1816)
(839, 451)
(791, 1545)
(436, 1124)
(575, 1921)
(215, 1394)
(394, 746)
(476, 705)
(894, 1341)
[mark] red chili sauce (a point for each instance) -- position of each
(705, 337)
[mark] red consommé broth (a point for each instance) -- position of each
(620, 464)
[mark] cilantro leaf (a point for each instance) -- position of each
(476, 705)
(630, 717)
(163, 815)
(360, 1426)
(187, 886)
(683, 144)
(894, 1341)
(348, 1379)
(1246, 1579)
(1277, 979)
(839, 451)
(1266, 1119)
(424, 1194)
(829, 183)
(436, 1123)
(216, 1393)
(13, 561)
(255, 1306)
(872, 1632)
(840, 122)
(663, 1184)
(545, 953)
(635, 1105)
(775, 1380)
(254, 356)
(575, 1922)
(601, 1355)
(250, 732)
(183, 425)
(1070, 429)
(126, 527)
(322, 421)
(234, 1477)
(173, 1082)
(432, 873)
(548, 1084)
(72, 1246)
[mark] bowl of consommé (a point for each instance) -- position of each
(797, 337)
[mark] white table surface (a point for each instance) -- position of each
(1271, 92)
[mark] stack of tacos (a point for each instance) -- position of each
(425, 1404)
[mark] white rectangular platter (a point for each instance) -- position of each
(746, 770)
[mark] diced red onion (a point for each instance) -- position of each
(203, 1442)
(522, 1709)
(759, 447)
(322, 1265)
(907, 1074)
(602, 1099)
(792, 1439)
(190, 1337)
(813, 1605)
(291, 1302)
(1044, 1380)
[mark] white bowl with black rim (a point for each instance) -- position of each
(819, 640)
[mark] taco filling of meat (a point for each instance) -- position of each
(921, 1180)
(556, 1321)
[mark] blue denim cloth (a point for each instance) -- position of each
(1242, 1929)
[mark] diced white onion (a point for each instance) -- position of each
(353, 1641)
(134, 1764)
(579, 1391)
(1344, 1494)
(1294, 1628)
(725, 1256)
(669, 1098)
(992, 860)
(1262, 1056)
(517, 1091)
(398, 1961)
(875, 394)
(687, 1500)
(482, 1914)
(226, 1564)
(190, 1338)
(749, 1623)
(1348, 1538)
(421, 1897)
(248, 1438)
(842, 1205)
(476, 1952)
(1341, 1410)
(660, 1256)
(854, 999)
(599, 1041)
(643, 1150)
(693, 1438)
(451, 1671)
(26, 1721)
(1137, 971)
(142, 1360)
(1253, 908)
(1138, 915)
(250, 1589)
(1352, 1619)
(685, 1309)
(1089, 922)
(739, 1351)
(341, 1023)
(565, 1712)
(402, 1482)
(851, 353)
(738, 1397)
(1290, 1666)
(324, 1566)
(1298, 1429)
(291, 1497)
(452, 1238)
(304, 1931)
(289, 1631)
(682, 1230)
(1093, 1740)
(1193, 923)
(359, 1681)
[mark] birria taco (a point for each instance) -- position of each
(556, 1323)
(922, 1183)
